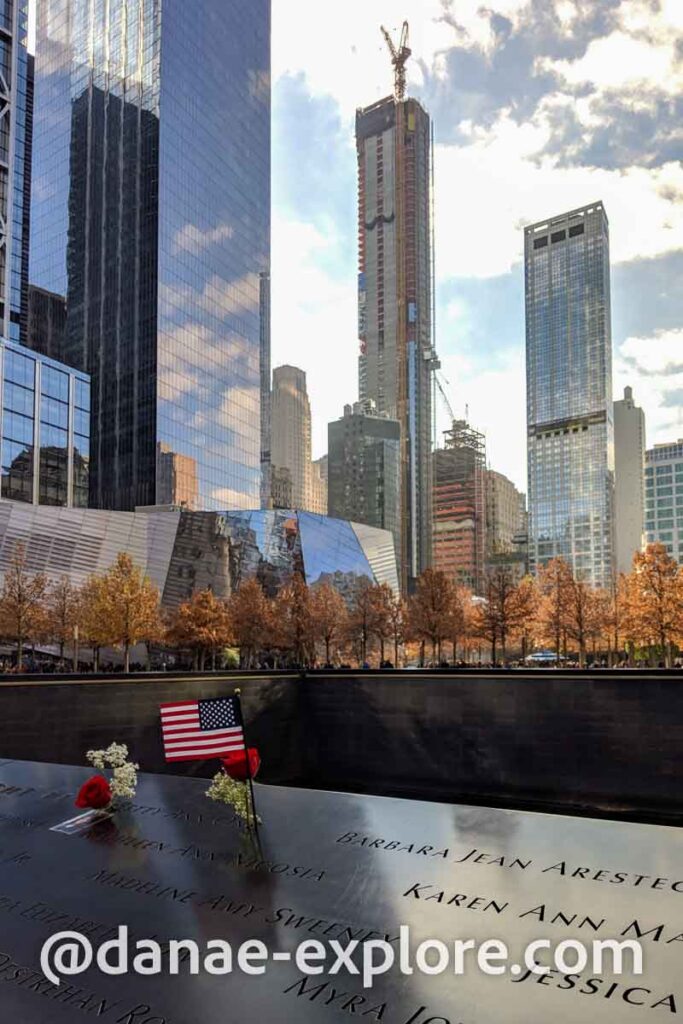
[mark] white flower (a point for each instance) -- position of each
(124, 772)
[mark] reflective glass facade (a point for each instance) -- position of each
(664, 497)
(222, 550)
(569, 393)
(44, 428)
(182, 551)
(151, 214)
(15, 142)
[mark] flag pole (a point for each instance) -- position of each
(251, 801)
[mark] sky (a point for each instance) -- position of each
(539, 106)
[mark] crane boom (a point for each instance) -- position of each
(399, 59)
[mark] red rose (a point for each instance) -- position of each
(96, 792)
(235, 764)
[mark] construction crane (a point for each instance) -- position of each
(399, 58)
(440, 386)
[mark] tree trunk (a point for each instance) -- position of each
(20, 653)
(395, 652)
(327, 650)
(126, 658)
(493, 650)
(213, 659)
(61, 650)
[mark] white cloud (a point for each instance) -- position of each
(345, 56)
(229, 498)
(315, 323)
(620, 60)
(513, 187)
(653, 366)
(190, 238)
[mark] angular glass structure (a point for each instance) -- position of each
(183, 551)
(570, 426)
(151, 216)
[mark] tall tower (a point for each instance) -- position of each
(291, 431)
(629, 476)
(151, 217)
(570, 431)
(16, 85)
(394, 147)
(264, 335)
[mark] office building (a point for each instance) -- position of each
(505, 513)
(364, 452)
(44, 425)
(460, 506)
(318, 492)
(291, 431)
(177, 482)
(46, 323)
(393, 140)
(264, 336)
(16, 68)
(664, 497)
(151, 216)
(629, 480)
(281, 487)
(570, 432)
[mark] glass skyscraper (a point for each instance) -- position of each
(570, 430)
(15, 142)
(151, 215)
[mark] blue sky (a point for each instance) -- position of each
(539, 106)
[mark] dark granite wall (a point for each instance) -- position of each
(600, 744)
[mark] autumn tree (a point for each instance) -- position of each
(431, 608)
(614, 603)
(130, 602)
(654, 599)
(554, 582)
(361, 622)
(95, 628)
(582, 610)
(501, 613)
(250, 613)
(201, 625)
(525, 626)
(460, 618)
(329, 616)
(63, 611)
(382, 600)
(293, 619)
(398, 624)
(22, 603)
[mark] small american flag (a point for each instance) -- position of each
(196, 730)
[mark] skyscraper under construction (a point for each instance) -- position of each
(394, 146)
